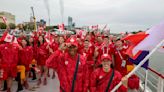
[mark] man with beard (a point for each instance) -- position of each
(70, 67)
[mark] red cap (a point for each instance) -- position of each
(73, 41)
(106, 56)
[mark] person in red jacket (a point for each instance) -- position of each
(98, 45)
(8, 64)
(66, 64)
(42, 56)
(21, 37)
(101, 76)
(25, 58)
(88, 53)
(106, 48)
(121, 58)
(33, 42)
(61, 42)
(53, 47)
(55, 44)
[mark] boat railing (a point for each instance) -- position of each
(154, 81)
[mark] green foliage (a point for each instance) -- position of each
(49, 28)
(12, 26)
(2, 25)
(29, 26)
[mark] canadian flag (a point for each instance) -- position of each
(8, 38)
(95, 27)
(4, 19)
(80, 33)
(61, 27)
(49, 38)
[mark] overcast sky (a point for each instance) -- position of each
(120, 15)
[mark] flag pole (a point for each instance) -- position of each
(104, 28)
(139, 65)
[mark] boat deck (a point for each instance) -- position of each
(52, 86)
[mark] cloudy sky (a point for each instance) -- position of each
(120, 15)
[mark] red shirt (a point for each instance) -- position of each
(65, 67)
(99, 81)
(19, 39)
(54, 46)
(35, 47)
(9, 54)
(118, 61)
(26, 56)
(88, 53)
(43, 54)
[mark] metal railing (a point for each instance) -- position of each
(155, 80)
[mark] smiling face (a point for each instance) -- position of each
(99, 39)
(119, 44)
(24, 43)
(61, 40)
(106, 41)
(40, 39)
(56, 39)
(106, 63)
(86, 44)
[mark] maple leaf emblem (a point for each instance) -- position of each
(8, 37)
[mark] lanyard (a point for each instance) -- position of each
(120, 55)
(123, 61)
(104, 50)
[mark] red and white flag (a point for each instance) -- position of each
(104, 28)
(156, 35)
(8, 38)
(95, 27)
(49, 38)
(61, 27)
(4, 19)
(146, 40)
(134, 39)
